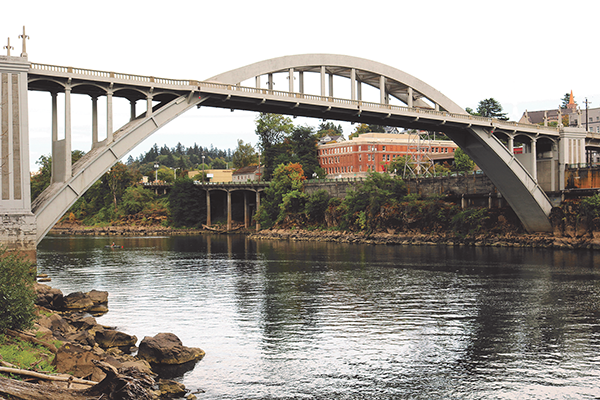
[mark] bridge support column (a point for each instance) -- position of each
(109, 116)
(246, 213)
(228, 210)
(94, 121)
(208, 211)
(61, 148)
(571, 150)
(18, 228)
(257, 207)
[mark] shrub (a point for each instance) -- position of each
(135, 199)
(316, 205)
(17, 294)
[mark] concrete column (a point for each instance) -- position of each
(270, 84)
(323, 81)
(61, 149)
(301, 81)
(410, 99)
(246, 212)
(208, 210)
(54, 116)
(382, 93)
(359, 90)
(353, 84)
(534, 158)
(330, 85)
(131, 109)
(109, 117)
(257, 82)
(511, 145)
(228, 210)
(257, 208)
(18, 228)
(94, 121)
(149, 98)
(291, 78)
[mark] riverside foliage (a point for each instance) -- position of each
(381, 203)
(17, 294)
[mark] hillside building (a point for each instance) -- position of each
(373, 152)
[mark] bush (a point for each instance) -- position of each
(316, 205)
(136, 198)
(17, 294)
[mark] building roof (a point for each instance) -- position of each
(246, 170)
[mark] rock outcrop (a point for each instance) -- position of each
(166, 348)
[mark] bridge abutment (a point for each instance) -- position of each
(18, 229)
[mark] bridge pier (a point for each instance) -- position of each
(18, 229)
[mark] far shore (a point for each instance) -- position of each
(549, 240)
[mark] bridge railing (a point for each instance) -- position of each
(362, 104)
(148, 80)
(115, 75)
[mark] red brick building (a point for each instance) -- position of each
(373, 151)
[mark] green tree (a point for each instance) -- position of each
(272, 129)
(329, 128)
(364, 128)
(304, 149)
(362, 205)
(117, 179)
(218, 163)
(462, 162)
(136, 198)
(489, 108)
(286, 179)
(187, 203)
(17, 294)
(244, 155)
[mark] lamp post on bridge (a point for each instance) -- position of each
(203, 176)
(156, 166)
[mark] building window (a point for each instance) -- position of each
(360, 157)
(382, 148)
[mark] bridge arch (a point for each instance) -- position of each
(399, 84)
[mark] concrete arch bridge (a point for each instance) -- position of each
(403, 101)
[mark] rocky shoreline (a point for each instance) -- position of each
(92, 354)
(589, 242)
(560, 239)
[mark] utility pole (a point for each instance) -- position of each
(587, 119)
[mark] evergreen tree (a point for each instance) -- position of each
(187, 203)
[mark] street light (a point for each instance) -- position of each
(203, 176)
(156, 166)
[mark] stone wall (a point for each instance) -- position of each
(477, 189)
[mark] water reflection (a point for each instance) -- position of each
(325, 320)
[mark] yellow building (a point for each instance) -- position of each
(214, 175)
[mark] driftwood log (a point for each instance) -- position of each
(125, 384)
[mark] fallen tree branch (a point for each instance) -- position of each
(38, 375)
(32, 339)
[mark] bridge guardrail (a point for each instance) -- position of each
(358, 103)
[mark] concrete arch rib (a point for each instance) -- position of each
(60, 196)
(307, 61)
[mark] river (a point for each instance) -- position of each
(313, 320)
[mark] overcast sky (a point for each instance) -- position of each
(525, 54)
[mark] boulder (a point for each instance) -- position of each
(46, 295)
(57, 324)
(76, 360)
(166, 348)
(76, 301)
(107, 338)
(171, 389)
